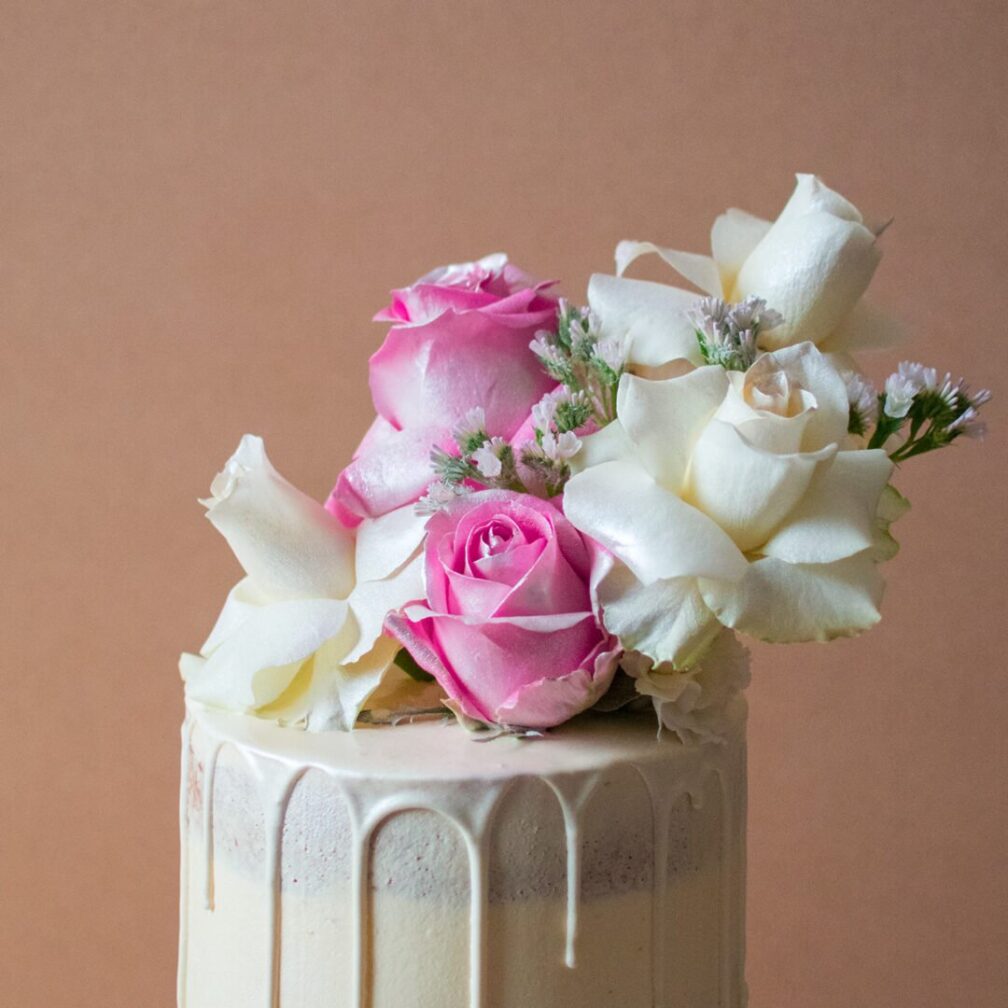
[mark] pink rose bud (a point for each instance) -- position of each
(511, 628)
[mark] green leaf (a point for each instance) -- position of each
(408, 664)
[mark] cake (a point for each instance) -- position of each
(472, 732)
(409, 866)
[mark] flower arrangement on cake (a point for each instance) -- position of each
(560, 508)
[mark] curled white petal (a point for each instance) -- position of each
(667, 620)
(649, 320)
(785, 602)
(288, 543)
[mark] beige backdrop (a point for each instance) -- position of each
(203, 203)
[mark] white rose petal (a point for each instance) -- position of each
(700, 270)
(746, 490)
(733, 237)
(667, 619)
(372, 601)
(288, 543)
(340, 689)
(662, 418)
(697, 703)
(812, 266)
(651, 319)
(254, 664)
(384, 545)
(607, 445)
(299, 640)
(837, 516)
(655, 533)
(784, 602)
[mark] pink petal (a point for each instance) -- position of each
(549, 702)
(549, 585)
(430, 375)
(496, 657)
(390, 468)
(416, 637)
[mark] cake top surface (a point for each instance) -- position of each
(435, 749)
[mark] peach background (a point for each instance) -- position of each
(203, 203)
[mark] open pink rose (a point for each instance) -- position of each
(510, 628)
(459, 339)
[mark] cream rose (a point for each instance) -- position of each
(727, 498)
(299, 639)
(812, 264)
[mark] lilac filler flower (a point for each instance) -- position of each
(935, 413)
(862, 398)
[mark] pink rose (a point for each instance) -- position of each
(510, 628)
(459, 339)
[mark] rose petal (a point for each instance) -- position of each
(511, 565)
(746, 491)
(471, 596)
(663, 419)
(551, 701)
(651, 317)
(390, 470)
(700, 270)
(414, 632)
(505, 655)
(650, 529)
(783, 602)
(761, 428)
(340, 690)
(256, 662)
(385, 544)
(244, 600)
(287, 542)
(812, 266)
(431, 375)
(549, 585)
(812, 370)
(666, 620)
(837, 516)
(609, 444)
(371, 601)
(733, 237)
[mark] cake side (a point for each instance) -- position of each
(606, 863)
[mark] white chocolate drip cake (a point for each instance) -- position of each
(410, 866)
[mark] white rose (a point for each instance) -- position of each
(727, 495)
(812, 265)
(698, 703)
(299, 639)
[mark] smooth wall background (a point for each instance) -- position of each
(202, 204)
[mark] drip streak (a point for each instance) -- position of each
(208, 826)
(477, 917)
(183, 951)
(275, 812)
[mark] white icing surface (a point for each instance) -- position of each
(412, 866)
